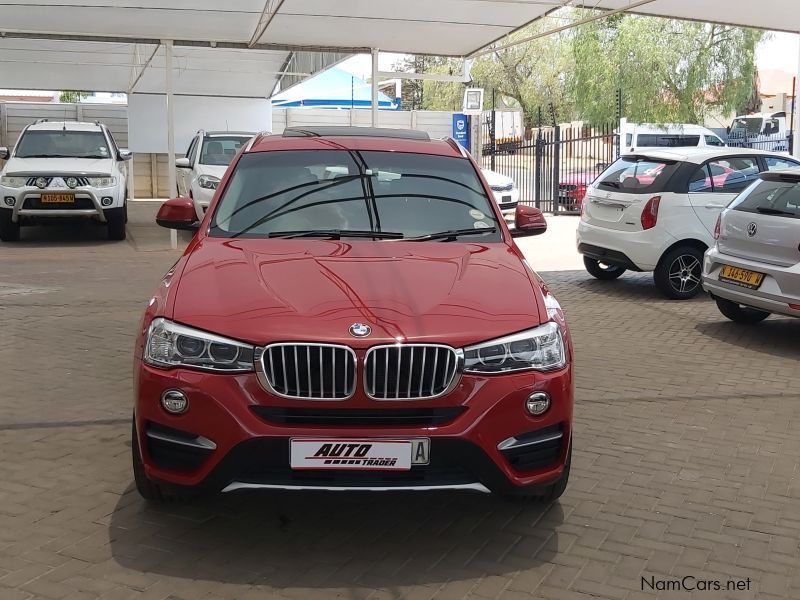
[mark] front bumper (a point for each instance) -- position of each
(242, 444)
(87, 202)
(770, 296)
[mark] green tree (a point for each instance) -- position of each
(73, 96)
(669, 71)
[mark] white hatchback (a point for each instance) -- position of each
(656, 211)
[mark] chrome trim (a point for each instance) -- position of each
(513, 443)
(261, 370)
(476, 487)
(200, 442)
(455, 378)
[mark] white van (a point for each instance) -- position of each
(639, 136)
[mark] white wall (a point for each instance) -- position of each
(437, 124)
(147, 118)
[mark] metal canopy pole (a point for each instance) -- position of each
(375, 54)
(796, 134)
(171, 177)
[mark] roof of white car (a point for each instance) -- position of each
(61, 125)
(701, 154)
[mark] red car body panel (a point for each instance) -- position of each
(262, 291)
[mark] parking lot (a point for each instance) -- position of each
(685, 458)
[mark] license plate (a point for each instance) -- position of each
(359, 454)
(58, 198)
(505, 199)
(742, 277)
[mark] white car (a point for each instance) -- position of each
(656, 211)
(207, 159)
(63, 169)
(505, 191)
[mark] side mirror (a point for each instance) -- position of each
(4, 153)
(183, 163)
(125, 154)
(178, 213)
(528, 221)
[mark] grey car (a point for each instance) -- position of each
(754, 268)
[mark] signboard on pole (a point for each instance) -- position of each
(461, 130)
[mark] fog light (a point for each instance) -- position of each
(10, 200)
(537, 403)
(174, 401)
(106, 201)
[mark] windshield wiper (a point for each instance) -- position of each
(45, 156)
(452, 235)
(765, 210)
(336, 234)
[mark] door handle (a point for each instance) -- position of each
(709, 206)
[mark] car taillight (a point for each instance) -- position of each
(650, 212)
(718, 227)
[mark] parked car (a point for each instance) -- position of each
(207, 158)
(337, 323)
(754, 267)
(504, 191)
(765, 131)
(572, 187)
(656, 212)
(63, 169)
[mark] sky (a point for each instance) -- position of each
(780, 52)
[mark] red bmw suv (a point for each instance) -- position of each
(352, 314)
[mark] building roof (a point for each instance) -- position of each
(332, 88)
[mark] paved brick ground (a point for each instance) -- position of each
(686, 461)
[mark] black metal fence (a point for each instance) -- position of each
(552, 166)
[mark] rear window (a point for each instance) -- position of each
(659, 140)
(637, 175)
(778, 198)
(410, 195)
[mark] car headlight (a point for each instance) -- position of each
(102, 182)
(208, 182)
(13, 182)
(172, 345)
(540, 349)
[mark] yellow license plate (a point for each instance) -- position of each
(743, 277)
(58, 198)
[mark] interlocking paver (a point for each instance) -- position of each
(687, 461)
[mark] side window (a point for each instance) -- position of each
(734, 174)
(628, 139)
(771, 127)
(192, 151)
(776, 164)
(701, 180)
(712, 140)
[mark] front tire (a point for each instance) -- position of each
(602, 271)
(9, 231)
(740, 314)
(115, 220)
(679, 272)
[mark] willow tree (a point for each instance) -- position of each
(668, 71)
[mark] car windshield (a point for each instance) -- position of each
(634, 175)
(333, 193)
(219, 150)
(751, 125)
(63, 144)
(777, 198)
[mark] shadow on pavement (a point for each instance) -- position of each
(329, 540)
(777, 336)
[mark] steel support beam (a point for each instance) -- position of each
(171, 175)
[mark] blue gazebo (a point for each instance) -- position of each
(333, 88)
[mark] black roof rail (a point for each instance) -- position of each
(43, 120)
(337, 131)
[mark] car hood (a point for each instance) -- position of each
(262, 291)
(495, 178)
(52, 166)
(214, 170)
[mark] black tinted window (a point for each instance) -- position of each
(220, 150)
(779, 198)
(637, 176)
(776, 164)
(657, 140)
(411, 194)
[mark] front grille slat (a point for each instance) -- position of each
(416, 371)
(328, 372)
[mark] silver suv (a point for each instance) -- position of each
(754, 268)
